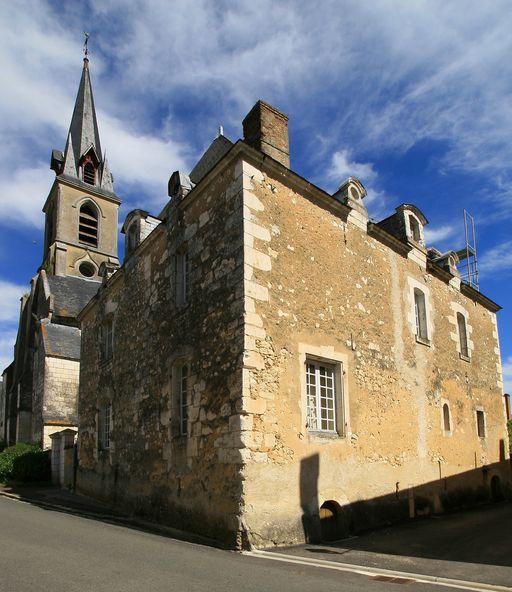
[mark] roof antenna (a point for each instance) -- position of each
(86, 49)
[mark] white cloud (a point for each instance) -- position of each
(507, 375)
(7, 341)
(499, 258)
(438, 235)
(23, 193)
(342, 167)
(10, 295)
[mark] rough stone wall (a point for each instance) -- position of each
(193, 481)
(318, 286)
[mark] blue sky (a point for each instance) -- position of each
(412, 97)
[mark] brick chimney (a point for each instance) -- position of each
(266, 129)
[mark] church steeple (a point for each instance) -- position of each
(82, 158)
(83, 131)
(82, 208)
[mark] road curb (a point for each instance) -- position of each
(377, 571)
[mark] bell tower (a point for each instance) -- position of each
(81, 211)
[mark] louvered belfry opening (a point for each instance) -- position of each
(88, 226)
(89, 173)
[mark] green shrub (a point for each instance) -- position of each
(24, 462)
(32, 466)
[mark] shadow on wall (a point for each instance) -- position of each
(332, 521)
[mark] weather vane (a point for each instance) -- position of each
(86, 50)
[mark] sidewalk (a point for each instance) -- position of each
(473, 545)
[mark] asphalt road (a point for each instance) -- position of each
(44, 549)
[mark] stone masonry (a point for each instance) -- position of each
(284, 280)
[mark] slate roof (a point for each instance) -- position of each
(217, 149)
(83, 130)
(61, 341)
(71, 294)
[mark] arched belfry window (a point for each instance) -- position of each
(88, 225)
(89, 173)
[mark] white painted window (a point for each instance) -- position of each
(463, 335)
(420, 312)
(104, 426)
(183, 277)
(183, 386)
(323, 388)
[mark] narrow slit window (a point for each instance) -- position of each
(480, 423)
(104, 426)
(463, 335)
(88, 226)
(420, 314)
(184, 399)
(446, 418)
(183, 277)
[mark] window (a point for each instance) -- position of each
(480, 423)
(415, 229)
(131, 237)
(89, 174)
(104, 426)
(88, 225)
(87, 269)
(446, 418)
(463, 336)
(183, 386)
(183, 277)
(107, 340)
(322, 386)
(421, 315)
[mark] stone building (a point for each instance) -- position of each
(273, 367)
(40, 387)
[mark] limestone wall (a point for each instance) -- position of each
(319, 287)
(190, 481)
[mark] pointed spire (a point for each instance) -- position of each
(107, 181)
(70, 163)
(83, 131)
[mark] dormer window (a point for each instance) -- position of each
(88, 225)
(131, 238)
(415, 229)
(89, 173)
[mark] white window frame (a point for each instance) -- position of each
(321, 396)
(336, 363)
(420, 315)
(104, 426)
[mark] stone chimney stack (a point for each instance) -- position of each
(266, 129)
